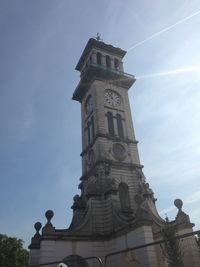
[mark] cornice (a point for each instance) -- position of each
(93, 43)
(116, 139)
(112, 163)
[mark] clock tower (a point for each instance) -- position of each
(114, 194)
(111, 167)
(115, 210)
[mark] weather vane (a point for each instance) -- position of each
(98, 37)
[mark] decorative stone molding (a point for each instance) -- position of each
(48, 228)
(181, 216)
(79, 203)
(119, 152)
(146, 191)
(35, 241)
(100, 183)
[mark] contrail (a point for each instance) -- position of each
(164, 30)
(164, 73)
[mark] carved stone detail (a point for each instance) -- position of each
(140, 174)
(79, 203)
(146, 192)
(35, 241)
(100, 183)
(102, 170)
(181, 216)
(119, 152)
(48, 228)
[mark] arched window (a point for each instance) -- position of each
(108, 62)
(111, 130)
(99, 56)
(120, 126)
(116, 63)
(90, 130)
(124, 196)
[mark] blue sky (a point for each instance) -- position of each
(40, 134)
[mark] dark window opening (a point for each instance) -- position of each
(120, 126)
(90, 130)
(108, 61)
(116, 63)
(110, 123)
(124, 196)
(99, 58)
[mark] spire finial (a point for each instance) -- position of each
(178, 203)
(98, 37)
(37, 227)
(49, 215)
(166, 218)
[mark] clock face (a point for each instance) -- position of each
(89, 105)
(112, 98)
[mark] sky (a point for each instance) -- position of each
(40, 133)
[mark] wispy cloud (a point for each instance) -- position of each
(171, 72)
(164, 30)
(194, 197)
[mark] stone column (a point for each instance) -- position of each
(94, 58)
(103, 60)
(112, 65)
(121, 68)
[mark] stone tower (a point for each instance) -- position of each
(112, 174)
(116, 207)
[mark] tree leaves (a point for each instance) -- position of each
(12, 253)
(171, 248)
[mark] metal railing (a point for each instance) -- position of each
(65, 263)
(99, 260)
(147, 245)
(103, 67)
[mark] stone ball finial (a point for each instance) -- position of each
(178, 203)
(49, 215)
(37, 226)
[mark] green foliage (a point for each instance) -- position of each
(12, 253)
(171, 247)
